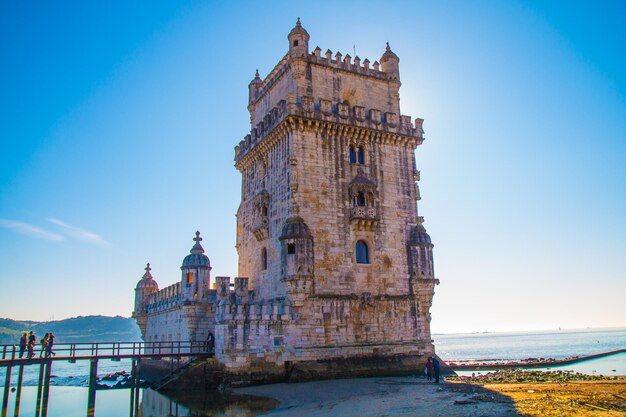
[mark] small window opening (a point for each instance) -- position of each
(359, 200)
(291, 248)
(189, 278)
(264, 210)
(362, 256)
(360, 158)
(295, 43)
(352, 155)
(263, 259)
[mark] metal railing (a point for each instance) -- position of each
(75, 351)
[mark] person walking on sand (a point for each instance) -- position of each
(44, 345)
(429, 369)
(23, 344)
(210, 343)
(436, 369)
(32, 341)
(50, 345)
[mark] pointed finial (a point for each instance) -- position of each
(388, 48)
(256, 74)
(298, 22)
(197, 247)
(147, 275)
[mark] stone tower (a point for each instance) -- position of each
(328, 223)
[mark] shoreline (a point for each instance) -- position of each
(527, 363)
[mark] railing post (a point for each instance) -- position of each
(91, 396)
(46, 389)
(7, 386)
(133, 370)
(137, 376)
(39, 389)
(18, 394)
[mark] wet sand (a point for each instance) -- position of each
(414, 396)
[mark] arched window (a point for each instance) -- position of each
(352, 155)
(360, 155)
(264, 210)
(362, 256)
(263, 259)
(359, 200)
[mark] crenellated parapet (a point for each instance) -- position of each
(346, 63)
(165, 299)
(336, 62)
(237, 305)
(365, 121)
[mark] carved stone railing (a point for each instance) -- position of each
(363, 213)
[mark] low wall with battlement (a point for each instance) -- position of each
(165, 299)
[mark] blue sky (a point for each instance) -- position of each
(119, 121)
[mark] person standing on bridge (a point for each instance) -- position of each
(44, 345)
(32, 340)
(50, 345)
(23, 344)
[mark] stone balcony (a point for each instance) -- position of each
(260, 228)
(364, 218)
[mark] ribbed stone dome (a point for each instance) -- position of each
(147, 282)
(294, 228)
(389, 54)
(298, 29)
(419, 236)
(196, 258)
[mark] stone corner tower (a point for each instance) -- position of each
(328, 216)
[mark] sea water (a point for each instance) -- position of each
(513, 346)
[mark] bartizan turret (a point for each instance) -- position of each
(196, 271)
(298, 41)
(145, 287)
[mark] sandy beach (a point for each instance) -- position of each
(414, 396)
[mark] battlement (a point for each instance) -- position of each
(336, 112)
(347, 64)
(165, 298)
(238, 304)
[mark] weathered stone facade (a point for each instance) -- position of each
(339, 266)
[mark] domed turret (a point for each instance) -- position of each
(419, 236)
(253, 88)
(294, 228)
(298, 41)
(196, 258)
(296, 248)
(145, 287)
(421, 252)
(196, 272)
(389, 62)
